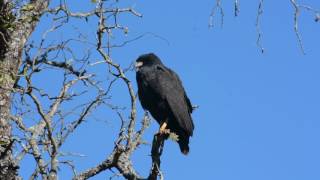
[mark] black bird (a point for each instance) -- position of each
(162, 94)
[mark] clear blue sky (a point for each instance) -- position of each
(259, 115)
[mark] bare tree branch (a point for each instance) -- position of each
(217, 7)
(236, 7)
(108, 163)
(258, 26)
(297, 10)
(14, 30)
(156, 152)
(51, 119)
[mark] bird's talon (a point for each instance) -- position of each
(164, 131)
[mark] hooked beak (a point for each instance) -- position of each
(138, 65)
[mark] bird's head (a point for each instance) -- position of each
(147, 60)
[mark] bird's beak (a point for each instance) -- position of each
(138, 65)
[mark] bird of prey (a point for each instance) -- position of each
(161, 93)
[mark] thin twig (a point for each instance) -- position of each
(258, 26)
(295, 19)
(217, 7)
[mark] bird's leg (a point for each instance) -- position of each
(163, 129)
(163, 126)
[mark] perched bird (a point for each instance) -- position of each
(161, 93)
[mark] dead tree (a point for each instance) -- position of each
(54, 115)
(15, 29)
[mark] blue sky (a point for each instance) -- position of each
(259, 113)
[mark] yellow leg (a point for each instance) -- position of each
(163, 129)
(163, 126)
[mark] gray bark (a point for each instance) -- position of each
(14, 33)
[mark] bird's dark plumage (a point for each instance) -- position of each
(161, 93)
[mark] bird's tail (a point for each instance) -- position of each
(184, 143)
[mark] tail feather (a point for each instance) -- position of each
(184, 143)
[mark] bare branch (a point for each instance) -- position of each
(236, 8)
(53, 124)
(156, 152)
(258, 26)
(71, 165)
(297, 9)
(295, 19)
(138, 139)
(84, 114)
(217, 7)
(84, 15)
(108, 163)
(47, 120)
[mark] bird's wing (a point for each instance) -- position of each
(190, 109)
(170, 88)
